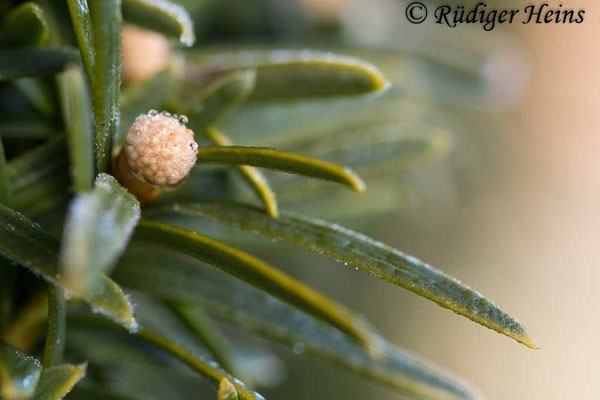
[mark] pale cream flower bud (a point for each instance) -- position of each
(324, 9)
(144, 53)
(159, 153)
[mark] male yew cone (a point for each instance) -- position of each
(144, 53)
(158, 155)
(324, 9)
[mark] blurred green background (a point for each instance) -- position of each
(511, 207)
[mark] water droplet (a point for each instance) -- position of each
(298, 348)
(238, 382)
(183, 119)
(152, 113)
(68, 294)
(133, 326)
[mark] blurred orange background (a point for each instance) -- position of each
(530, 238)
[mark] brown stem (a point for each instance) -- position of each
(140, 189)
